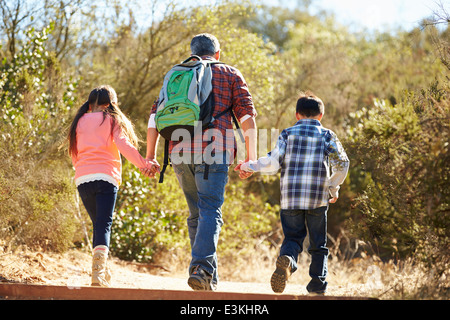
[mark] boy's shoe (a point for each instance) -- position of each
(281, 274)
(200, 280)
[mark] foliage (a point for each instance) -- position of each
(404, 151)
(144, 224)
(397, 191)
(138, 74)
(34, 101)
(248, 222)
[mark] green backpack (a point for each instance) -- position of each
(186, 100)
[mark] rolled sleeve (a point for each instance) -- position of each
(151, 120)
(340, 165)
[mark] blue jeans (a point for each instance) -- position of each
(99, 199)
(204, 199)
(295, 223)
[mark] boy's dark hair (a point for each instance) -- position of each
(309, 105)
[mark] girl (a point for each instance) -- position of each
(97, 136)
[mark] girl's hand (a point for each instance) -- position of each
(151, 169)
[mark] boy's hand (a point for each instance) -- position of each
(333, 200)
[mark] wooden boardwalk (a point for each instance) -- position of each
(33, 292)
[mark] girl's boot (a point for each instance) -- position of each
(101, 276)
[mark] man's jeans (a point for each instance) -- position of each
(204, 199)
(99, 199)
(295, 223)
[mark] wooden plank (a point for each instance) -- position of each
(26, 291)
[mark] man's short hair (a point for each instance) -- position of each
(204, 44)
(309, 105)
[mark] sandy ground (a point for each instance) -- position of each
(73, 269)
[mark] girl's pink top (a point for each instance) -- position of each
(99, 151)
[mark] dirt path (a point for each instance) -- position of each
(72, 269)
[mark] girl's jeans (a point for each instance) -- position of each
(204, 199)
(295, 223)
(99, 199)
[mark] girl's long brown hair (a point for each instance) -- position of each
(103, 95)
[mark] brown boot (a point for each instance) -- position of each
(281, 274)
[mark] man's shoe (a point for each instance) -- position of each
(281, 274)
(200, 280)
(316, 294)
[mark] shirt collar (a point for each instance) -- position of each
(311, 122)
(207, 58)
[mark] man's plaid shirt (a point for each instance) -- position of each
(230, 90)
(305, 153)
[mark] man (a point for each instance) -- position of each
(204, 193)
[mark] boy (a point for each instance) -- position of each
(305, 153)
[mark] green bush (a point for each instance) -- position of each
(36, 191)
(149, 216)
(249, 218)
(403, 152)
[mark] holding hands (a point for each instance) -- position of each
(151, 169)
(243, 172)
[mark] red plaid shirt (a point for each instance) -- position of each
(230, 90)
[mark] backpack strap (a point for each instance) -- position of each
(206, 173)
(190, 59)
(236, 122)
(166, 161)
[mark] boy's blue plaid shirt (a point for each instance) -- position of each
(313, 165)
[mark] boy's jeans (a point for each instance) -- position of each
(204, 199)
(99, 199)
(295, 223)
